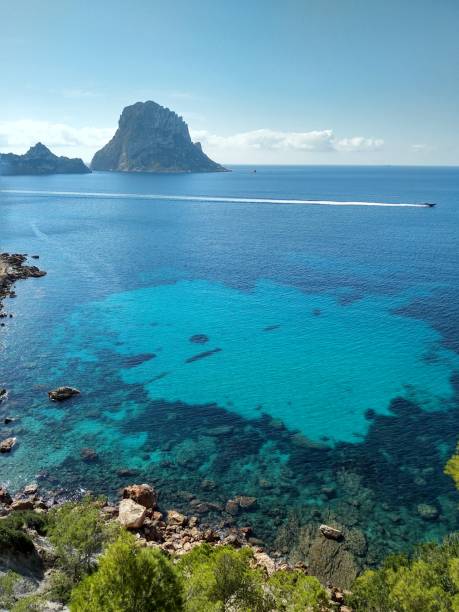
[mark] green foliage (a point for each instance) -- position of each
(30, 603)
(130, 579)
(452, 467)
(7, 583)
(78, 533)
(21, 519)
(220, 578)
(428, 582)
(12, 530)
(60, 586)
(294, 592)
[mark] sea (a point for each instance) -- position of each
(228, 343)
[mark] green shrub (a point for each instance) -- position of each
(60, 586)
(292, 591)
(129, 579)
(452, 467)
(21, 519)
(428, 582)
(78, 533)
(30, 603)
(221, 578)
(13, 538)
(7, 584)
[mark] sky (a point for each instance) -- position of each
(258, 81)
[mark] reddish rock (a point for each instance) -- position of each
(142, 494)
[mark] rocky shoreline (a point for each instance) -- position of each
(140, 512)
(12, 269)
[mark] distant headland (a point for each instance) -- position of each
(40, 160)
(152, 138)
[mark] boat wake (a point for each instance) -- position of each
(191, 198)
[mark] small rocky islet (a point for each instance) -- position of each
(39, 160)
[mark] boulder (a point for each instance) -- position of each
(331, 533)
(175, 518)
(142, 494)
(5, 497)
(130, 514)
(30, 489)
(428, 512)
(7, 444)
(62, 393)
(22, 504)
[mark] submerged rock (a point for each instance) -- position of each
(246, 502)
(89, 455)
(199, 339)
(130, 514)
(62, 393)
(428, 512)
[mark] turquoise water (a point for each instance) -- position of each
(308, 356)
(303, 359)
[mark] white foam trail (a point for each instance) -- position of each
(190, 198)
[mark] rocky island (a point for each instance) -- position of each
(12, 268)
(152, 138)
(40, 160)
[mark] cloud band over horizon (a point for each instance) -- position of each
(17, 136)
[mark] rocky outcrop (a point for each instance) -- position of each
(7, 444)
(12, 268)
(151, 138)
(142, 494)
(62, 393)
(331, 533)
(40, 160)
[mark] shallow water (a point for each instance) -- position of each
(326, 363)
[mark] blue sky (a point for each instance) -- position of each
(258, 81)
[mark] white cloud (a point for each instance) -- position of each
(264, 145)
(420, 148)
(19, 135)
(316, 140)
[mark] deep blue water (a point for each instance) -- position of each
(328, 367)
